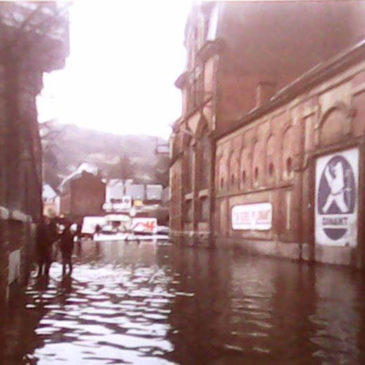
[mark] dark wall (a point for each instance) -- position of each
(277, 42)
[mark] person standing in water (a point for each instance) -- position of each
(43, 247)
(66, 248)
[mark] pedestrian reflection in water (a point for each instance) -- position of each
(42, 283)
(66, 284)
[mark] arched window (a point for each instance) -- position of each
(188, 169)
(287, 159)
(256, 174)
(289, 165)
(256, 163)
(233, 170)
(203, 170)
(245, 167)
(244, 178)
(222, 177)
(270, 156)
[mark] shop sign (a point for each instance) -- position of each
(336, 206)
(252, 217)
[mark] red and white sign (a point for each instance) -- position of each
(252, 217)
(144, 225)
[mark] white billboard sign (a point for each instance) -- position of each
(252, 217)
(336, 205)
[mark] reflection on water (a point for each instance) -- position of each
(144, 303)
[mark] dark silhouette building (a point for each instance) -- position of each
(34, 40)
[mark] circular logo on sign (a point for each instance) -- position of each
(336, 193)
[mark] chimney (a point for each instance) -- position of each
(264, 91)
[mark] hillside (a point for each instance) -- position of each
(65, 147)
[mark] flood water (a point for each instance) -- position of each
(160, 304)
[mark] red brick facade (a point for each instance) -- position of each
(83, 196)
(264, 122)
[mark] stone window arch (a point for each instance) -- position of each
(220, 178)
(256, 164)
(223, 171)
(244, 168)
(204, 159)
(335, 124)
(270, 158)
(189, 164)
(233, 170)
(287, 153)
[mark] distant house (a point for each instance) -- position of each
(51, 201)
(115, 198)
(114, 191)
(135, 191)
(154, 193)
(82, 193)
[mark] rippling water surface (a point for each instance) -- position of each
(158, 304)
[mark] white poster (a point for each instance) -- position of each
(336, 204)
(252, 217)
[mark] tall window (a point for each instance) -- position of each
(195, 87)
(189, 166)
(287, 159)
(204, 160)
(204, 209)
(245, 168)
(233, 170)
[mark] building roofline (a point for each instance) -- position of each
(309, 79)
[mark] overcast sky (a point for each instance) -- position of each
(124, 59)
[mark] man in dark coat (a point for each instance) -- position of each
(66, 247)
(43, 247)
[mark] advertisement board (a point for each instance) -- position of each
(252, 217)
(336, 198)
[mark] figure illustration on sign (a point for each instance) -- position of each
(334, 174)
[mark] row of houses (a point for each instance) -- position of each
(34, 40)
(86, 192)
(268, 154)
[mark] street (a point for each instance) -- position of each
(152, 303)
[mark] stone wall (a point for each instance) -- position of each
(26, 52)
(17, 235)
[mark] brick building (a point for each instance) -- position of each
(82, 194)
(268, 153)
(34, 39)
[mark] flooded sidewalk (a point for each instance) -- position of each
(151, 303)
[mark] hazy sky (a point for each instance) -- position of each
(124, 59)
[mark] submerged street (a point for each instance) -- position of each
(152, 303)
